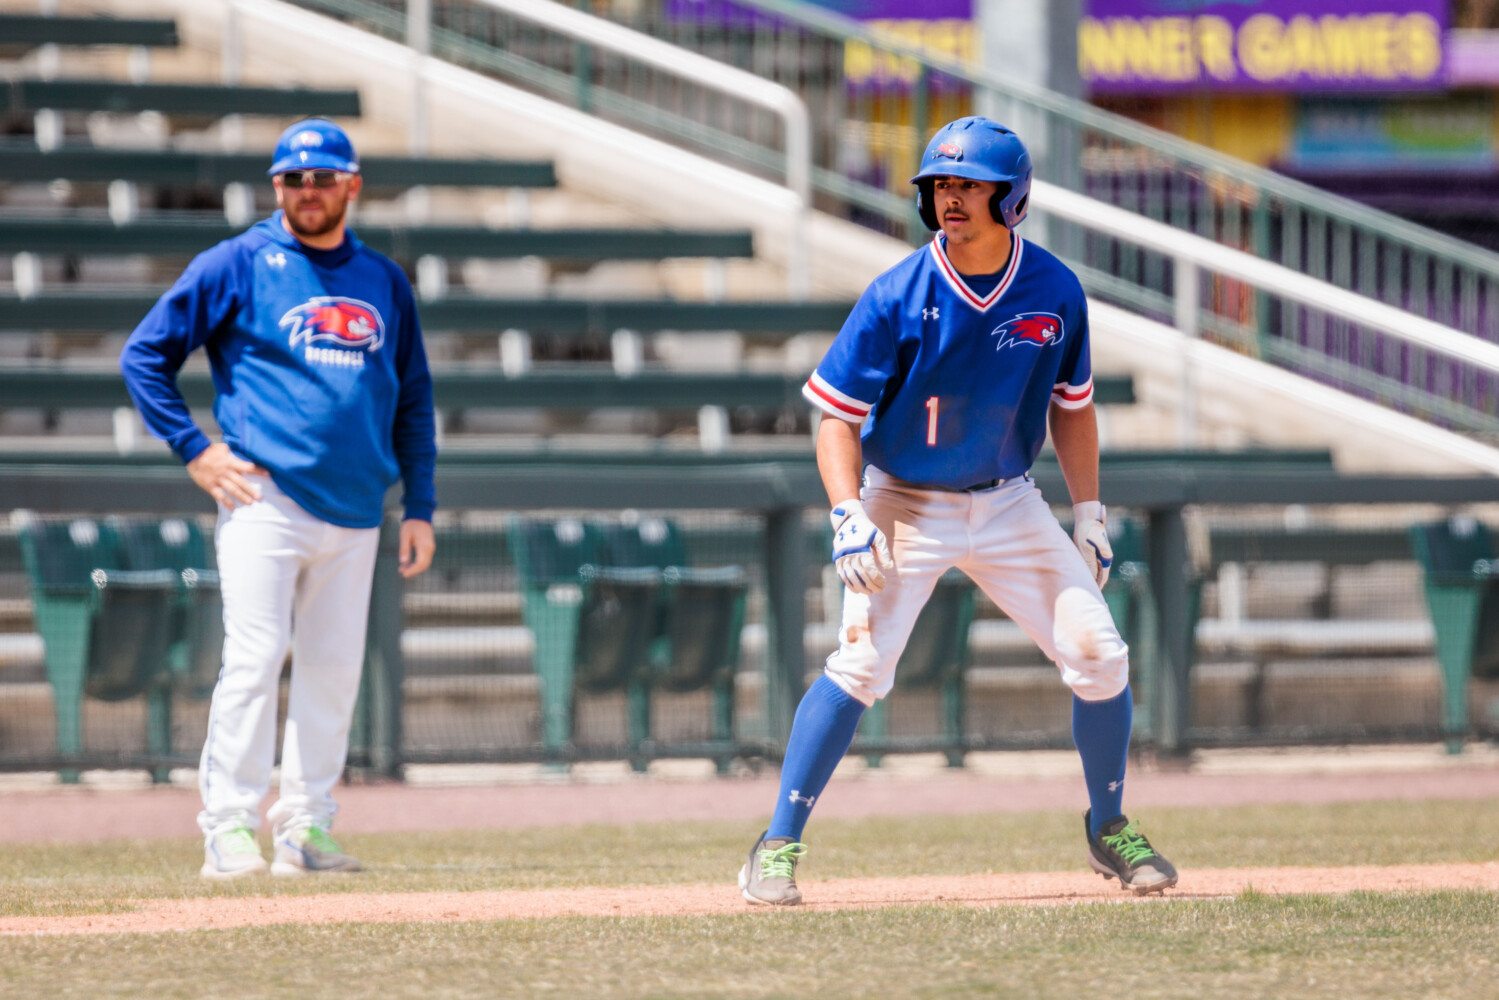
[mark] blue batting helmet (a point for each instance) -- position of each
(312, 144)
(979, 149)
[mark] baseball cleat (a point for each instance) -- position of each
(310, 851)
(769, 876)
(232, 854)
(1121, 851)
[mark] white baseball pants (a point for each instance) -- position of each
(289, 581)
(1008, 542)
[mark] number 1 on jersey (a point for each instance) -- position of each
(931, 421)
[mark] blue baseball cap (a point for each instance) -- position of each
(315, 143)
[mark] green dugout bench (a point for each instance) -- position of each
(23, 161)
(195, 99)
(30, 30)
(170, 233)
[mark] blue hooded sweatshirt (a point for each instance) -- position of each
(319, 367)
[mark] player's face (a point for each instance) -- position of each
(963, 207)
(312, 210)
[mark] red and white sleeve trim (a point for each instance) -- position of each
(829, 400)
(1072, 397)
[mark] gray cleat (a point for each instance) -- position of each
(310, 851)
(1121, 851)
(232, 854)
(769, 876)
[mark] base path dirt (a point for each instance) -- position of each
(1038, 888)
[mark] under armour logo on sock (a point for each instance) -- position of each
(1114, 786)
(796, 797)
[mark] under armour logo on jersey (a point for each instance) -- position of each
(1035, 329)
(276, 260)
(796, 797)
(932, 313)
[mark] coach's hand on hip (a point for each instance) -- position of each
(860, 552)
(222, 474)
(418, 545)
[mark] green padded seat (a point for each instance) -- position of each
(179, 545)
(106, 630)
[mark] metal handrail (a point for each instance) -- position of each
(697, 69)
(1190, 252)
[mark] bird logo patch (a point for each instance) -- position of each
(1035, 329)
(337, 321)
(951, 150)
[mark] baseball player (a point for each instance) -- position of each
(938, 392)
(324, 400)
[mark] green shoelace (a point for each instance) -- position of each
(1131, 845)
(318, 839)
(240, 841)
(781, 862)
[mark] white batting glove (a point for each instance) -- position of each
(1092, 538)
(860, 552)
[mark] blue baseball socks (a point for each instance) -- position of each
(1100, 729)
(820, 736)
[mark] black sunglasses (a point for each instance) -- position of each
(318, 178)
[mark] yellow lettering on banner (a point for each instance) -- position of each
(1379, 45)
(1423, 41)
(1098, 58)
(1141, 56)
(1261, 50)
(1173, 35)
(1308, 54)
(1340, 37)
(1215, 41)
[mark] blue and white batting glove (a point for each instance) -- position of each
(1092, 538)
(860, 552)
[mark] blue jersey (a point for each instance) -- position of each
(319, 367)
(952, 387)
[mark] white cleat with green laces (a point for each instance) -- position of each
(232, 854)
(769, 876)
(310, 851)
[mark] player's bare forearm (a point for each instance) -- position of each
(840, 459)
(1074, 435)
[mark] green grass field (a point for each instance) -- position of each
(1364, 945)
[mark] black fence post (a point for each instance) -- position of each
(785, 584)
(1171, 713)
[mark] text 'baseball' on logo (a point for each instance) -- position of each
(1036, 329)
(336, 320)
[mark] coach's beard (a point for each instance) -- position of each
(331, 221)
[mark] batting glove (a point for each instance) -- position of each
(860, 552)
(1092, 538)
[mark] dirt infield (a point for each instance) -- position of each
(1035, 889)
(84, 814)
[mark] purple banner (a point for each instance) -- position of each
(1171, 46)
(721, 11)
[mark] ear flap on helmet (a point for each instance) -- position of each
(926, 203)
(996, 202)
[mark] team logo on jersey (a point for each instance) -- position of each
(1034, 329)
(334, 319)
(951, 150)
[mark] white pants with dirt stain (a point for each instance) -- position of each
(1007, 541)
(289, 581)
